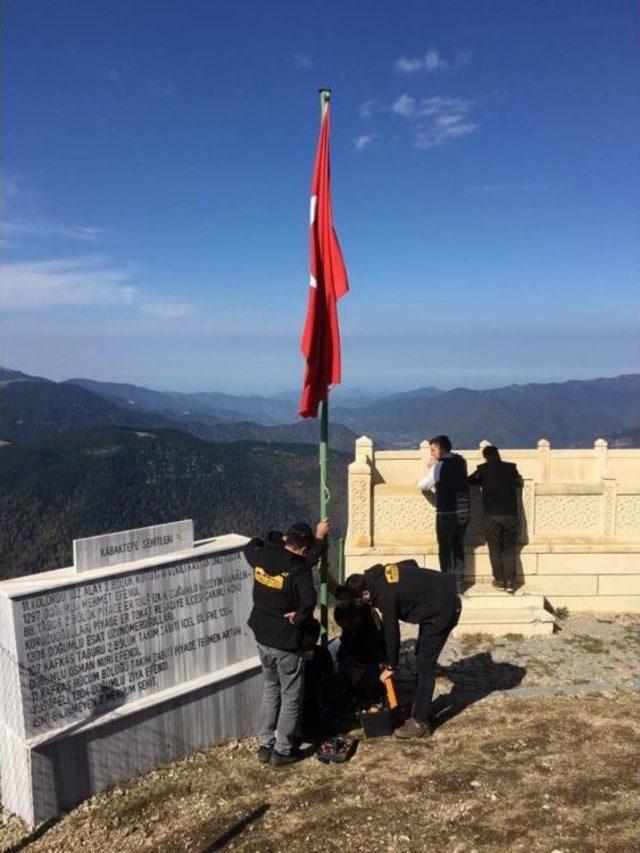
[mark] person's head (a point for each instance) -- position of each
(491, 453)
(440, 445)
(355, 587)
(299, 538)
(348, 615)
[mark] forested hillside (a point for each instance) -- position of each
(87, 483)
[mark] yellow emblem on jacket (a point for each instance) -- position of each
(273, 581)
(392, 573)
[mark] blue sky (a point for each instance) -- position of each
(157, 164)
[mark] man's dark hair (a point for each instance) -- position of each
(346, 612)
(443, 441)
(300, 535)
(354, 586)
(491, 452)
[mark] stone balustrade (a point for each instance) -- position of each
(579, 520)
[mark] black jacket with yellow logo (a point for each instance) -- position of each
(404, 592)
(282, 583)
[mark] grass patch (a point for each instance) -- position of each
(476, 642)
(591, 645)
(566, 766)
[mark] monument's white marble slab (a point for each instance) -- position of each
(89, 656)
(112, 549)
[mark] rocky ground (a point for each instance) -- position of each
(600, 650)
(511, 766)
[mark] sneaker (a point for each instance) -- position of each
(412, 729)
(264, 754)
(278, 759)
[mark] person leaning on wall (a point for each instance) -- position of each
(499, 482)
(447, 474)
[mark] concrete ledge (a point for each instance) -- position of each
(597, 603)
(566, 545)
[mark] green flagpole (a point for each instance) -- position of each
(323, 456)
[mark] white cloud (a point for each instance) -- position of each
(431, 62)
(363, 140)
(524, 187)
(367, 108)
(408, 66)
(437, 119)
(302, 60)
(404, 106)
(80, 282)
(166, 310)
(43, 228)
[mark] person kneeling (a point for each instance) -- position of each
(408, 593)
(360, 653)
(284, 598)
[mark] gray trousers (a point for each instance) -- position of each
(282, 695)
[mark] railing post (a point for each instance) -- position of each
(360, 503)
(544, 454)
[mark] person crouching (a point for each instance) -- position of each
(284, 598)
(406, 592)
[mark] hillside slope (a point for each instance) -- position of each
(87, 483)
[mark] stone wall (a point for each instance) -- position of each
(579, 520)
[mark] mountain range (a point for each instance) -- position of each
(568, 414)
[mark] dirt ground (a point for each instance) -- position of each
(550, 774)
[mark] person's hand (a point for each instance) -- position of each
(291, 618)
(386, 673)
(322, 528)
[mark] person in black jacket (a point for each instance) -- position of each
(404, 592)
(499, 482)
(284, 598)
(447, 474)
(359, 653)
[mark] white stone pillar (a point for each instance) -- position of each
(600, 448)
(544, 454)
(528, 520)
(425, 456)
(360, 503)
(610, 501)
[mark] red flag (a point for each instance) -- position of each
(328, 282)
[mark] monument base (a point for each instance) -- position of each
(54, 772)
(486, 610)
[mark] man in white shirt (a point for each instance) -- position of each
(448, 476)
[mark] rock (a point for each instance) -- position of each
(475, 783)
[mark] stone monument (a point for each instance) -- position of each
(109, 668)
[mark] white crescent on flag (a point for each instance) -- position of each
(313, 207)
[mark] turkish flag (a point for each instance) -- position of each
(327, 283)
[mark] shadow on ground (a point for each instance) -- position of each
(472, 678)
